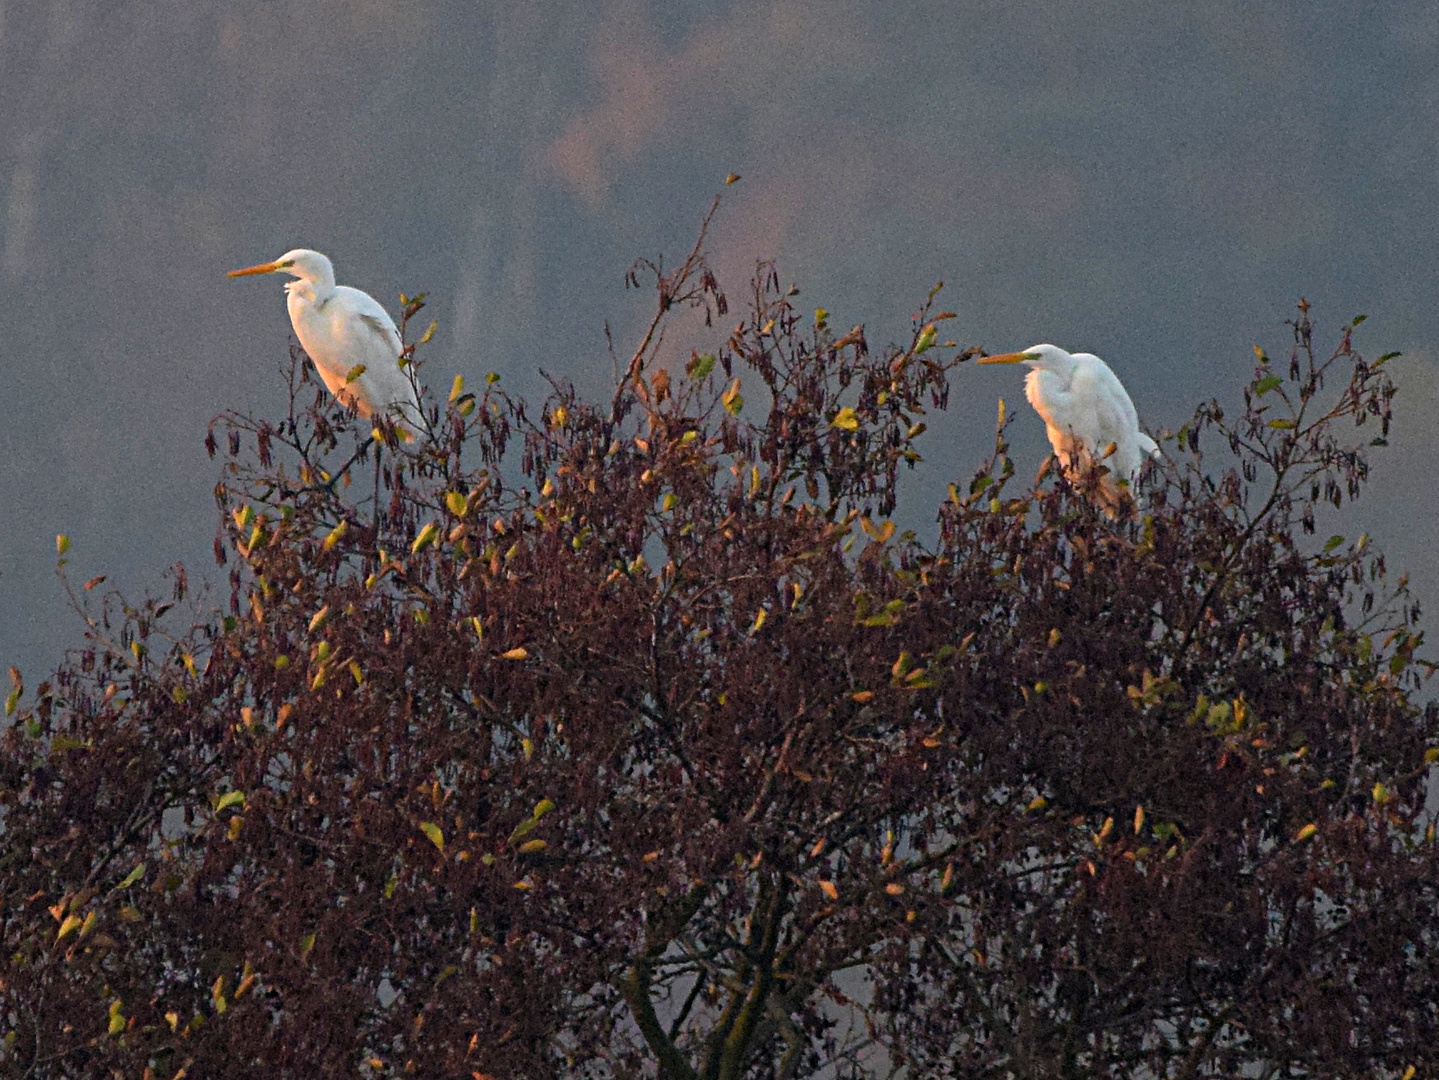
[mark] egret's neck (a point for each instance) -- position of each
(315, 292)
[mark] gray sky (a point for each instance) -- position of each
(1156, 183)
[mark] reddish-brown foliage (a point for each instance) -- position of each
(628, 739)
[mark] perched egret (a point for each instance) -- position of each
(350, 337)
(1088, 415)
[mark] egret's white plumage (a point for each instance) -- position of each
(1088, 415)
(343, 329)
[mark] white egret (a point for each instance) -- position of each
(347, 333)
(1088, 416)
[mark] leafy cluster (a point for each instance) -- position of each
(628, 739)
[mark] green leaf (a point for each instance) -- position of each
(700, 365)
(132, 877)
(455, 502)
(354, 373)
(435, 833)
(1266, 384)
(846, 419)
(1332, 543)
(523, 828)
(543, 807)
(1357, 320)
(1282, 424)
(230, 798)
(926, 339)
(62, 544)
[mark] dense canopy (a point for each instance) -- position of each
(631, 738)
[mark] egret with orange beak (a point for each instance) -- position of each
(1088, 416)
(347, 333)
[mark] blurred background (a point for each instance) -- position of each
(1154, 183)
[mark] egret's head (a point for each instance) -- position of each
(302, 263)
(1044, 357)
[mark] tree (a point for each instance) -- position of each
(627, 738)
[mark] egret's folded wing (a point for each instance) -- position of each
(382, 326)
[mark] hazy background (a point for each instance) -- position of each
(1156, 183)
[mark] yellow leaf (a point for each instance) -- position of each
(429, 332)
(559, 416)
(435, 833)
(457, 388)
(732, 400)
(1039, 802)
(455, 502)
(317, 620)
(830, 889)
(425, 538)
(1306, 832)
(732, 178)
(846, 419)
(68, 927)
(354, 373)
(1138, 819)
(759, 620)
(335, 534)
(532, 847)
(62, 544)
(894, 888)
(117, 1018)
(863, 696)
(517, 653)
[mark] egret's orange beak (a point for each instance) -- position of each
(1001, 358)
(263, 268)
